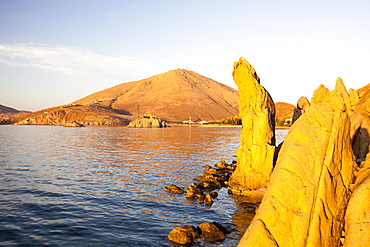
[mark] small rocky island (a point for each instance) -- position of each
(148, 121)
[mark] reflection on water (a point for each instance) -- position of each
(103, 185)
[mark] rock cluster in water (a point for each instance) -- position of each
(148, 121)
(210, 231)
(318, 193)
(212, 179)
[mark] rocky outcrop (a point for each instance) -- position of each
(360, 127)
(305, 201)
(148, 121)
(302, 106)
(257, 143)
(357, 218)
(85, 115)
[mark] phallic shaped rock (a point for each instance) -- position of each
(305, 201)
(211, 232)
(172, 188)
(184, 234)
(257, 142)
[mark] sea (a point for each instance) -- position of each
(102, 186)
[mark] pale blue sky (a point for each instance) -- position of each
(55, 52)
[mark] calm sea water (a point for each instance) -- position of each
(102, 186)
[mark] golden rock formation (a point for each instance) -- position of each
(305, 201)
(357, 218)
(257, 142)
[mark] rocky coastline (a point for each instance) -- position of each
(314, 188)
(316, 182)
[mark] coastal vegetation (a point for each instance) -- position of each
(227, 121)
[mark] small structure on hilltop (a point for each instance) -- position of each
(148, 121)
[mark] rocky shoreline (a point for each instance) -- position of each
(317, 181)
(213, 178)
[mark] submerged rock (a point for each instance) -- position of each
(257, 142)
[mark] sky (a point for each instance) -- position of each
(55, 52)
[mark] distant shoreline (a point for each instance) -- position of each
(218, 126)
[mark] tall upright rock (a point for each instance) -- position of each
(305, 201)
(257, 141)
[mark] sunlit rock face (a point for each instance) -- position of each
(305, 201)
(257, 142)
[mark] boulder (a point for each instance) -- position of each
(305, 201)
(183, 234)
(173, 189)
(194, 190)
(211, 232)
(257, 142)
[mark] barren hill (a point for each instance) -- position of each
(6, 109)
(284, 110)
(174, 96)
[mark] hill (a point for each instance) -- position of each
(5, 109)
(173, 96)
(284, 110)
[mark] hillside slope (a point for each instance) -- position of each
(174, 96)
